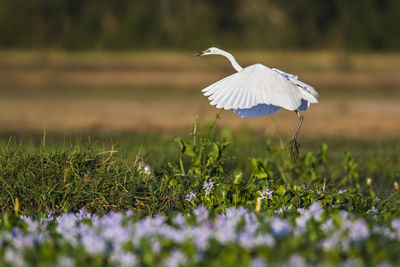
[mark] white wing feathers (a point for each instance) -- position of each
(309, 92)
(258, 84)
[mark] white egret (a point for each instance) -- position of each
(257, 90)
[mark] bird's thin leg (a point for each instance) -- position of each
(294, 146)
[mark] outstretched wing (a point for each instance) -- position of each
(256, 84)
(309, 93)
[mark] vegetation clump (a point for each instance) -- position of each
(68, 178)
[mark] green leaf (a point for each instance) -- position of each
(258, 169)
(185, 147)
(237, 176)
(220, 193)
(198, 158)
(281, 190)
(215, 151)
(322, 153)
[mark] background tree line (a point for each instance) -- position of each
(186, 24)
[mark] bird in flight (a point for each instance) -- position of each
(257, 90)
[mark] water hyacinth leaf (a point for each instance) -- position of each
(220, 193)
(322, 154)
(215, 151)
(173, 182)
(198, 158)
(185, 147)
(297, 188)
(270, 148)
(258, 168)
(281, 190)
(237, 176)
(236, 198)
(309, 159)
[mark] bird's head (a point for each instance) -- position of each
(209, 51)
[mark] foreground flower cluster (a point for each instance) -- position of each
(237, 237)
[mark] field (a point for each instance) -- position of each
(147, 91)
(103, 163)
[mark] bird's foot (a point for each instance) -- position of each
(294, 148)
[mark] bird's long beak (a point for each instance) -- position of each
(197, 54)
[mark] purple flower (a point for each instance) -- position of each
(121, 258)
(175, 259)
(296, 261)
(65, 261)
(179, 220)
(278, 212)
(51, 215)
(93, 243)
(315, 211)
(301, 210)
(303, 186)
(359, 230)
(259, 262)
(201, 214)
(266, 194)
(83, 214)
(331, 242)
(396, 224)
(208, 186)
(190, 196)
(373, 209)
(129, 213)
(342, 191)
(279, 227)
(327, 225)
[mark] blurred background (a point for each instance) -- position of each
(71, 66)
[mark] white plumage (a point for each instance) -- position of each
(258, 91)
(258, 84)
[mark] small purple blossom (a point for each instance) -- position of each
(266, 194)
(301, 210)
(129, 213)
(372, 210)
(342, 191)
(315, 211)
(280, 227)
(303, 186)
(201, 213)
(359, 230)
(176, 258)
(208, 186)
(51, 215)
(258, 262)
(190, 196)
(396, 224)
(83, 214)
(296, 261)
(107, 235)
(278, 212)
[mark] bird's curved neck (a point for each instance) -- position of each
(231, 59)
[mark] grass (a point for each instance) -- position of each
(329, 206)
(103, 173)
(108, 115)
